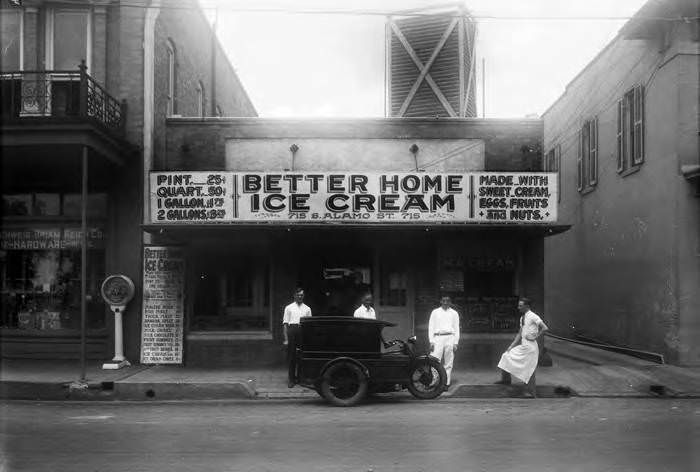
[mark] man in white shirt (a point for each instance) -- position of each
(365, 310)
(520, 359)
(293, 313)
(443, 334)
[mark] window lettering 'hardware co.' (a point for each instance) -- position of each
(228, 197)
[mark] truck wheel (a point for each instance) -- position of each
(344, 384)
(427, 379)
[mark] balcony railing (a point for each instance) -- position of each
(59, 94)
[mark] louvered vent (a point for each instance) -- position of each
(430, 65)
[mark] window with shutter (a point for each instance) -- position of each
(630, 130)
(579, 162)
(620, 136)
(588, 155)
(593, 152)
(638, 156)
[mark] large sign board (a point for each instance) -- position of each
(352, 197)
(163, 305)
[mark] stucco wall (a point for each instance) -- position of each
(618, 274)
(503, 145)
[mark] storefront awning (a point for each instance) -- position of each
(178, 230)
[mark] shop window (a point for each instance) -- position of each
(47, 204)
(231, 294)
(630, 131)
(11, 39)
(393, 281)
(17, 204)
(96, 205)
(587, 157)
(482, 290)
(41, 287)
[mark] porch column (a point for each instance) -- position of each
(83, 262)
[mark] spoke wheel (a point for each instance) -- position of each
(344, 384)
(427, 379)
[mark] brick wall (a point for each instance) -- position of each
(191, 35)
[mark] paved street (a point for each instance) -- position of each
(386, 435)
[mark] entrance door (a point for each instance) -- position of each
(394, 293)
(335, 277)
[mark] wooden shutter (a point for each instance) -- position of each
(579, 162)
(638, 117)
(557, 163)
(620, 135)
(593, 154)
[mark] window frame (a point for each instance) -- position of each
(261, 292)
(200, 99)
(172, 78)
(50, 31)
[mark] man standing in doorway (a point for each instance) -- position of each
(293, 313)
(443, 334)
(365, 310)
(520, 359)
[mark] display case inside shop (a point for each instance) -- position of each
(41, 288)
(482, 290)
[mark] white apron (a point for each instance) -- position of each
(521, 361)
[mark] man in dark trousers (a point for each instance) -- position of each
(293, 313)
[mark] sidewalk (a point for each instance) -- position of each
(577, 370)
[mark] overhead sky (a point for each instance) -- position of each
(296, 64)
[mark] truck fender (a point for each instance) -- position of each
(359, 364)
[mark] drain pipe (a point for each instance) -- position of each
(148, 104)
(646, 355)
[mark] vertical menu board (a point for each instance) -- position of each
(163, 305)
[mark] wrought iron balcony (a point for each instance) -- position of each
(59, 95)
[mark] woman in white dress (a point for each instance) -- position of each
(520, 359)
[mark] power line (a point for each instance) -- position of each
(384, 13)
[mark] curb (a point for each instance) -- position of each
(127, 391)
(509, 391)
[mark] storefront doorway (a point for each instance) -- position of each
(336, 276)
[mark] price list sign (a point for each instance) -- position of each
(163, 305)
(182, 197)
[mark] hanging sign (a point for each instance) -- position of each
(352, 197)
(163, 305)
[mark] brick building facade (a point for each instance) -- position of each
(108, 120)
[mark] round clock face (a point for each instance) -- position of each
(117, 290)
